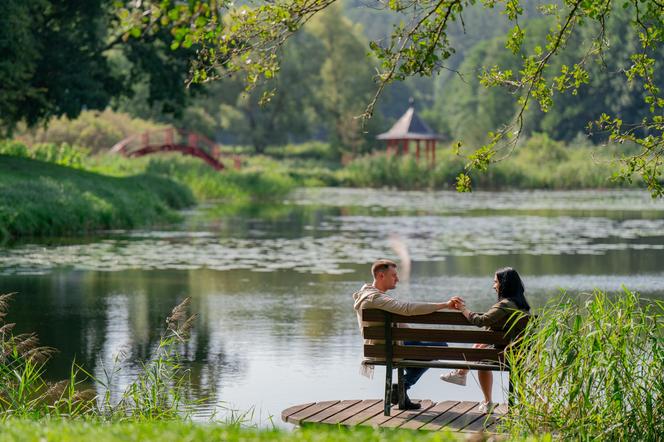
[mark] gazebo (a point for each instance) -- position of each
(411, 128)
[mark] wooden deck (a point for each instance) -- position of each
(457, 416)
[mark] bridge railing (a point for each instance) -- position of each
(170, 139)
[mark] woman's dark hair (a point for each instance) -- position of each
(511, 287)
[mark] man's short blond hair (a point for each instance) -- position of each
(381, 266)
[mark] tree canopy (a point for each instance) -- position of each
(569, 54)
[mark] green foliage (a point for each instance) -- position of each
(97, 131)
(591, 371)
(250, 183)
(538, 163)
(38, 198)
(246, 38)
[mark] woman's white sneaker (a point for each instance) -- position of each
(454, 377)
(486, 407)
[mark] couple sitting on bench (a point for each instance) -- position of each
(510, 291)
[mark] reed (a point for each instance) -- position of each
(591, 370)
(158, 392)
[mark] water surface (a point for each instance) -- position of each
(272, 284)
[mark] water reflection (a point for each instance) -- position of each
(272, 289)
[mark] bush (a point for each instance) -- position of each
(97, 131)
(591, 371)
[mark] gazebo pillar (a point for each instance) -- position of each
(417, 151)
(405, 147)
(433, 152)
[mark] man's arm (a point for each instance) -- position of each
(392, 305)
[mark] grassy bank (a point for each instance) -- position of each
(176, 431)
(43, 198)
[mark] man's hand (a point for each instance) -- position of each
(457, 303)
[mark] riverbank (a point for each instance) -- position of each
(40, 198)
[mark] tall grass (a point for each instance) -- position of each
(539, 163)
(591, 371)
(158, 392)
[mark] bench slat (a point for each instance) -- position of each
(488, 366)
(432, 335)
(433, 353)
(445, 318)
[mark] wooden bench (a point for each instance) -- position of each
(391, 352)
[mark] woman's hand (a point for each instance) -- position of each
(457, 303)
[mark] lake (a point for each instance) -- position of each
(272, 284)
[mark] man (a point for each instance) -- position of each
(373, 295)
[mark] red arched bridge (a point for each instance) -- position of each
(172, 140)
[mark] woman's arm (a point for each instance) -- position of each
(493, 316)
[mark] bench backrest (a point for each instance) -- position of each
(448, 330)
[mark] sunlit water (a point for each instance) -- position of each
(272, 285)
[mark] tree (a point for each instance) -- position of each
(246, 37)
(60, 57)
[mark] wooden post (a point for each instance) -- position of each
(388, 363)
(169, 136)
(405, 147)
(417, 151)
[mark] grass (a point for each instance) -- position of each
(177, 431)
(539, 163)
(39, 198)
(591, 370)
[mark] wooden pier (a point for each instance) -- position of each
(455, 415)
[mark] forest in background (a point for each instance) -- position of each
(324, 83)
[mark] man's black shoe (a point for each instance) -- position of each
(411, 405)
(394, 398)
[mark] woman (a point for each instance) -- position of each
(510, 290)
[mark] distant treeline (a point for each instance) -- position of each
(324, 83)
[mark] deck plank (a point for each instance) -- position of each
(489, 421)
(331, 411)
(460, 416)
(294, 409)
(406, 416)
(365, 414)
(449, 416)
(427, 416)
(467, 418)
(303, 414)
(381, 419)
(351, 411)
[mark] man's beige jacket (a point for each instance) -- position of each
(370, 297)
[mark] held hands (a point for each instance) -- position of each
(457, 303)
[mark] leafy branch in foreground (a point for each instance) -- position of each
(246, 38)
